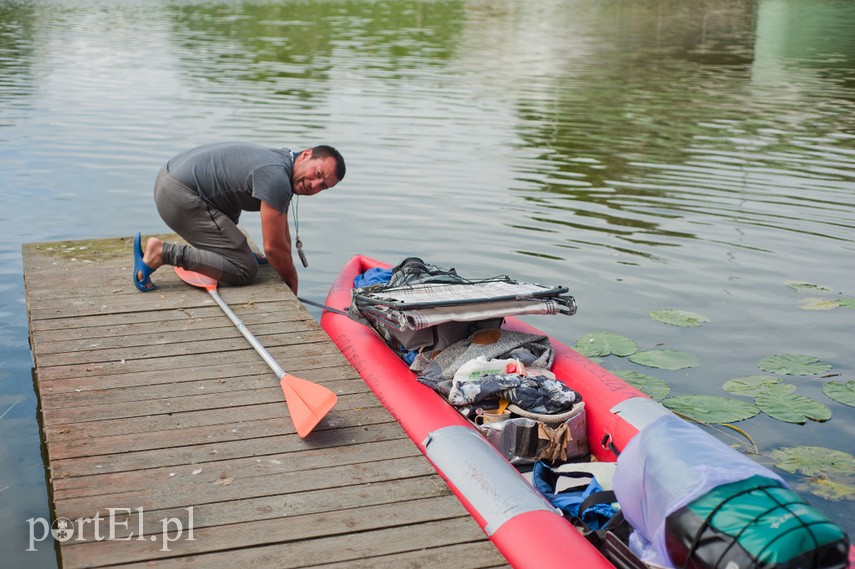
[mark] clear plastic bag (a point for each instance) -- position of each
(669, 464)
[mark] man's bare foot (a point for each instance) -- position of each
(153, 253)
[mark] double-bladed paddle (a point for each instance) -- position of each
(307, 402)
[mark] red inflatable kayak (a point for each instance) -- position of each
(667, 455)
(525, 528)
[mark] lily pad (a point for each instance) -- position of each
(793, 364)
(711, 409)
(605, 343)
(801, 286)
(753, 384)
(841, 392)
(819, 304)
(827, 488)
(679, 317)
(664, 359)
(814, 461)
(790, 407)
(656, 388)
(830, 472)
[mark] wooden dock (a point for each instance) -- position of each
(158, 416)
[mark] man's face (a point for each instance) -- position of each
(312, 175)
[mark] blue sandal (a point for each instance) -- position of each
(144, 285)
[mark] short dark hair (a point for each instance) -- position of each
(324, 151)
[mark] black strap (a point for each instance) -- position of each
(604, 497)
(324, 306)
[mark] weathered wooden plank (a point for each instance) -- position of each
(288, 530)
(477, 555)
(253, 316)
(96, 323)
(183, 429)
(281, 464)
(215, 485)
(80, 410)
(188, 334)
(345, 547)
(100, 303)
(204, 345)
(167, 406)
(127, 426)
(172, 294)
(279, 347)
(91, 444)
(198, 454)
(302, 357)
(211, 513)
(72, 393)
(324, 368)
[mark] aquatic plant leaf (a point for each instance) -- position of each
(841, 392)
(814, 461)
(830, 473)
(846, 303)
(605, 343)
(801, 286)
(664, 359)
(819, 304)
(834, 490)
(752, 385)
(679, 317)
(711, 409)
(656, 388)
(790, 407)
(793, 364)
(778, 388)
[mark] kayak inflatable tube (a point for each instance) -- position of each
(517, 519)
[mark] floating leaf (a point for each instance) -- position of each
(841, 392)
(664, 359)
(678, 317)
(711, 409)
(827, 488)
(819, 304)
(793, 364)
(605, 343)
(800, 286)
(791, 407)
(753, 384)
(777, 389)
(656, 388)
(814, 461)
(829, 471)
(846, 302)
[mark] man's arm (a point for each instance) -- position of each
(277, 244)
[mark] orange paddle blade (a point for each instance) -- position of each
(307, 402)
(196, 279)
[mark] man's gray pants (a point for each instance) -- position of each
(217, 248)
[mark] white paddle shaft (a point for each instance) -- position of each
(248, 335)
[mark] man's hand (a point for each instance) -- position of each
(277, 244)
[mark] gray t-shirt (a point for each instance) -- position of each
(237, 176)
